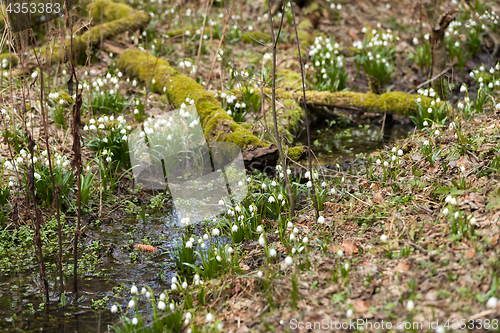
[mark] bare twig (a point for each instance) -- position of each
(275, 40)
(56, 187)
(76, 162)
(418, 247)
(429, 81)
(209, 5)
(224, 27)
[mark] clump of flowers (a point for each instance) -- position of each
(327, 65)
(109, 137)
(105, 95)
(376, 56)
(422, 56)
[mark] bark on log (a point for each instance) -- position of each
(217, 124)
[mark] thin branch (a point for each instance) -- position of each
(429, 81)
(224, 27)
(313, 188)
(273, 104)
(56, 187)
(209, 6)
(256, 41)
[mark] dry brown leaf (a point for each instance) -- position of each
(462, 162)
(401, 267)
(350, 248)
(374, 186)
(494, 239)
(378, 196)
(470, 253)
(353, 35)
(360, 305)
(244, 266)
(333, 248)
(145, 247)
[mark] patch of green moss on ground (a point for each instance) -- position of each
(64, 95)
(293, 114)
(257, 36)
(180, 32)
(312, 9)
(108, 11)
(295, 153)
(247, 126)
(289, 79)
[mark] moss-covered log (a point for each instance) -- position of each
(106, 11)
(395, 102)
(94, 36)
(217, 124)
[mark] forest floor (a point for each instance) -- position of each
(446, 264)
(408, 234)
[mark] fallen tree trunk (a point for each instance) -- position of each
(395, 102)
(94, 36)
(217, 124)
(127, 20)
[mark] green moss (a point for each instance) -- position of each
(292, 80)
(2, 10)
(217, 124)
(247, 126)
(107, 30)
(105, 11)
(15, 60)
(64, 95)
(295, 153)
(293, 114)
(180, 32)
(257, 35)
(305, 24)
(396, 102)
